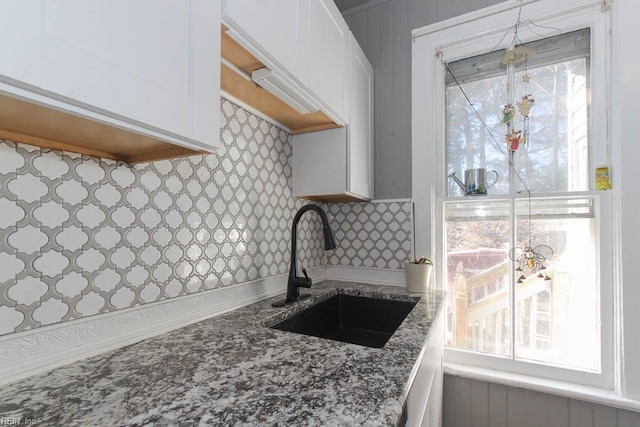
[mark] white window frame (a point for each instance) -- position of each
(478, 33)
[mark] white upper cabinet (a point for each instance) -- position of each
(360, 121)
(328, 51)
(152, 65)
(277, 28)
(337, 164)
(306, 40)
(21, 47)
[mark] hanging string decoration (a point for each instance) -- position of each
(514, 138)
(527, 256)
(531, 258)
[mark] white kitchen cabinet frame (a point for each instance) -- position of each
(276, 31)
(304, 40)
(329, 56)
(424, 403)
(360, 142)
(150, 66)
(337, 164)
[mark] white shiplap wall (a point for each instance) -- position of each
(384, 33)
(471, 403)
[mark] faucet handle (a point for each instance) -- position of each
(307, 282)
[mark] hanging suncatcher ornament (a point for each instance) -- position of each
(514, 138)
(526, 256)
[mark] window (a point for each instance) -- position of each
(557, 73)
(551, 316)
(556, 323)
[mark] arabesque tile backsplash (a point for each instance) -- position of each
(81, 236)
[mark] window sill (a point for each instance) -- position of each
(573, 391)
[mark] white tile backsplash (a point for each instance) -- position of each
(81, 236)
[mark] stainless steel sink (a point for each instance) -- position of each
(353, 319)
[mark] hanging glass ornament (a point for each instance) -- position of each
(515, 55)
(508, 112)
(514, 139)
(525, 105)
(531, 257)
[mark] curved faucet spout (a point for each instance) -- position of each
(295, 282)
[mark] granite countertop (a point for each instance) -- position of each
(232, 370)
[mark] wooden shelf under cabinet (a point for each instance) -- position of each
(242, 88)
(33, 124)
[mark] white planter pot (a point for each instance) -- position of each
(418, 277)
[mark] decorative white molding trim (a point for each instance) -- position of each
(559, 388)
(374, 276)
(35, 351)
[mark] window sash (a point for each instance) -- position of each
(461, 38)
(545, 51)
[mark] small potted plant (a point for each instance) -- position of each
(418, 274)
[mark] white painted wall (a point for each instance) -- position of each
(384, 33)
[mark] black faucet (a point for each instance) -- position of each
(295, 282)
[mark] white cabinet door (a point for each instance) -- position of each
(328, 51)
(424, 402)
(432, 416)
(340, 161)
(360, 122)
(278, 28)
(320, 163)
(21, 42)
(152, 62)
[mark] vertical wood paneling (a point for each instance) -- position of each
(401, 98)
(516, 407)
(422, 13)
(497, 405)
(604, 416)
(470, 403)
(462, 394)
(628, 419)
(358, 24)
(449, 403)
(537, 409)
(385, 157)
(479, 404)
(463, 6)
(558, 412)
(445, 9)
(580, 414)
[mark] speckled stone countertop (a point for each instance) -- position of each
(232, 370)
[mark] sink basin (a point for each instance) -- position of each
(353, 319)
